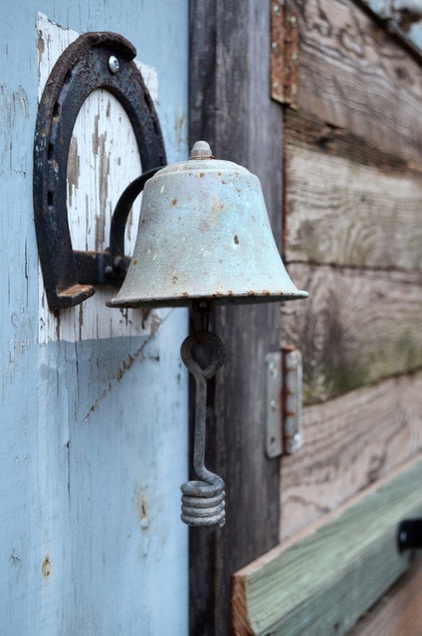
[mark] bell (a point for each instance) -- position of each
(204, 235)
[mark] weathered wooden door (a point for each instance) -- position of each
(93, 443)
(339, 157)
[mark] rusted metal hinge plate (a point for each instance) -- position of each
(284, 54)
(284, 402)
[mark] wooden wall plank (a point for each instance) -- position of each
(231, 108)
(322, 582)
(345, 213)
(349, 443)
(399, 612)
(354, 76)
(356, 327)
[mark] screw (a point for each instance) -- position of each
(275, 85)
(273, 405)
(276, 8)
(144, 523)
(274, 46)
(113, 64)
(403, 536)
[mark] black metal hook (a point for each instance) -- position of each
(93, 61)
(203, 500)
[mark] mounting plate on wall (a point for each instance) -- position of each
(94, 61)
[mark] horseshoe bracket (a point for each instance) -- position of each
(94, 61)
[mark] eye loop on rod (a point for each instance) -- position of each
(203, 500)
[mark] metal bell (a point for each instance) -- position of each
(204, 234)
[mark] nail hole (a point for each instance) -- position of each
(46, 567)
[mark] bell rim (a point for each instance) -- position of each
(216, 299)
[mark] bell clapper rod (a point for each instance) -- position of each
(203, 499)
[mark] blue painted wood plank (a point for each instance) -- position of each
(93, 443)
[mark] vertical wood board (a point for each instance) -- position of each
(232, 109)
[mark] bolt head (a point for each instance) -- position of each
(113, 64)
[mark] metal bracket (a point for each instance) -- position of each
(93, 61)
(284, 402)
(274, 439)
(409, 534)
(292, 392)
(284, 54)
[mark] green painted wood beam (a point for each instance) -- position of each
(323, 582)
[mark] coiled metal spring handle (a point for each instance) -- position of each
(203, 499)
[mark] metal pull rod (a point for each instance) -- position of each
(203, 499)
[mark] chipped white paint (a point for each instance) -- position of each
(103, 160)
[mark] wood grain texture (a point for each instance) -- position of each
(349, 214)
(231, 108)
(349, 443)
(399, 612)
(322, 582)
(356, 327)
(355, 77)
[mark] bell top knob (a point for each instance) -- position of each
(201, 150)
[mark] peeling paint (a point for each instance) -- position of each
(13, 106)
(143, 510)
(46, 567)
(73, 169)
